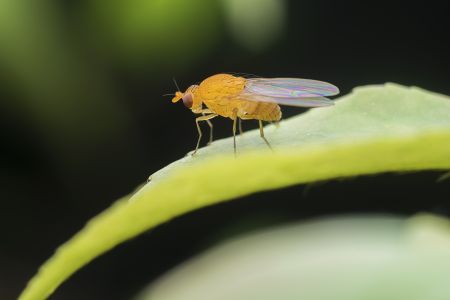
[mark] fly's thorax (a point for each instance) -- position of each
(218, 93)
(221, 86)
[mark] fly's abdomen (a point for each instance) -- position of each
(259, 110)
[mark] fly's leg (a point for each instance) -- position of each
(240, 127)
(234, 135)
(234, 117)
(261, 133)
(197, 120)
(210, 131)
(209, 124)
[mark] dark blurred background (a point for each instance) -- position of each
(84, 122)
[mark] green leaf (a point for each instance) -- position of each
(375, 129)
(365, 257)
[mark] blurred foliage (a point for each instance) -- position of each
(175, 34)
(63, 98)
(375, 129)
(256, 24)
(370, 257)
(158, 33)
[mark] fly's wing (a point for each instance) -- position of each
(289, 91)
(291, 87)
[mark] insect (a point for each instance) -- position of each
(240, 98)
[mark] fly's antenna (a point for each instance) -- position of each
(172, 94)
(176, 84)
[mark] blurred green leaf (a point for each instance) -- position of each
(65, 99)
(255, 24)
(352, 258)
(375, 129)
(161, 33)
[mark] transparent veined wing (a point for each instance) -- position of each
(290, 87)
(289, 91)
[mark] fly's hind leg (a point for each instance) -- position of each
(261, 133)
(197, 120)
(234, 135)
(234, 117)
(241, 132)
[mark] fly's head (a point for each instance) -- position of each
(188, 98)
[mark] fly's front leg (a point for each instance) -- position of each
(210, 131)
(261, 133)
(197, 120)
(204, 112)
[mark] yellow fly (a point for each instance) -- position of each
(240, 98)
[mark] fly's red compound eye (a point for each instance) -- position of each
(187, 100)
